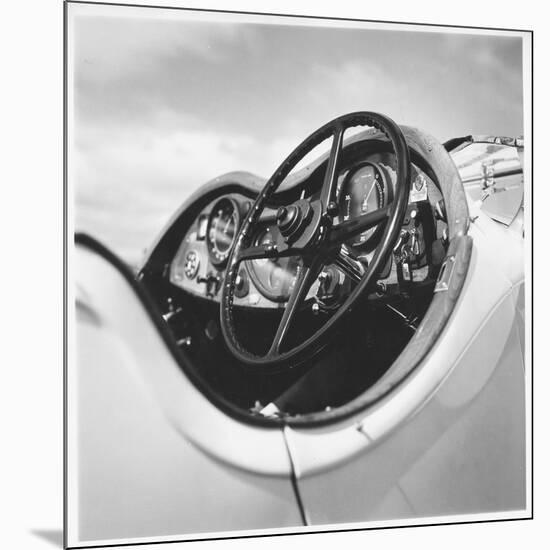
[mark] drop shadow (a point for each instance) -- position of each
(53, 536)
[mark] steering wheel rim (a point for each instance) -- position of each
(315, 238)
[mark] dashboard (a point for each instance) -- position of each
(271, 294)
(198, 266)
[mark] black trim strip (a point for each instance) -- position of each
(294, 481)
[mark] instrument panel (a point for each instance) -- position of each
(199, 264)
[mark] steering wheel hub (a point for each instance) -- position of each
(294, 219)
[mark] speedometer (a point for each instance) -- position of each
(223, 225)
(363, 190)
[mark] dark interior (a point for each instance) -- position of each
(362, 350)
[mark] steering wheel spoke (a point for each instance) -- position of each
(351, 228)
(267, 218)
(328, 190)
(306, 276)
(258, 252)
(271, 250)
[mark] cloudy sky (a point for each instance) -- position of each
(164, 102)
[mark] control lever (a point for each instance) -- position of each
(168, 315)
(352, 268)
(415, 245)
(212, 282)
(402, 252)
(403, 238)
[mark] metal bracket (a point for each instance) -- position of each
(445, 274)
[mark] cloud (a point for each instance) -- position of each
(461, 90)
(109, 47)
(162, 106)
(128, 69)
(130, 182)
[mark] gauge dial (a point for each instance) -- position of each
(363, 190)
(191, 265)
(273, 277)
(223, 225)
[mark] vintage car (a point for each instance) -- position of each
(339, 345)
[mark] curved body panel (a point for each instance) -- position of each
(154, 456)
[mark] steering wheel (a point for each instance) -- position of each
(308, 232)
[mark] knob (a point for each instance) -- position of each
(332, 208)
(168, 315)
(185, 341)
(288, 219)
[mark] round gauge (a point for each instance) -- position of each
(273, 277)
(223, 225)
(363, 190)
(191, 265)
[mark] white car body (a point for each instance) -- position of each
(151, 457)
